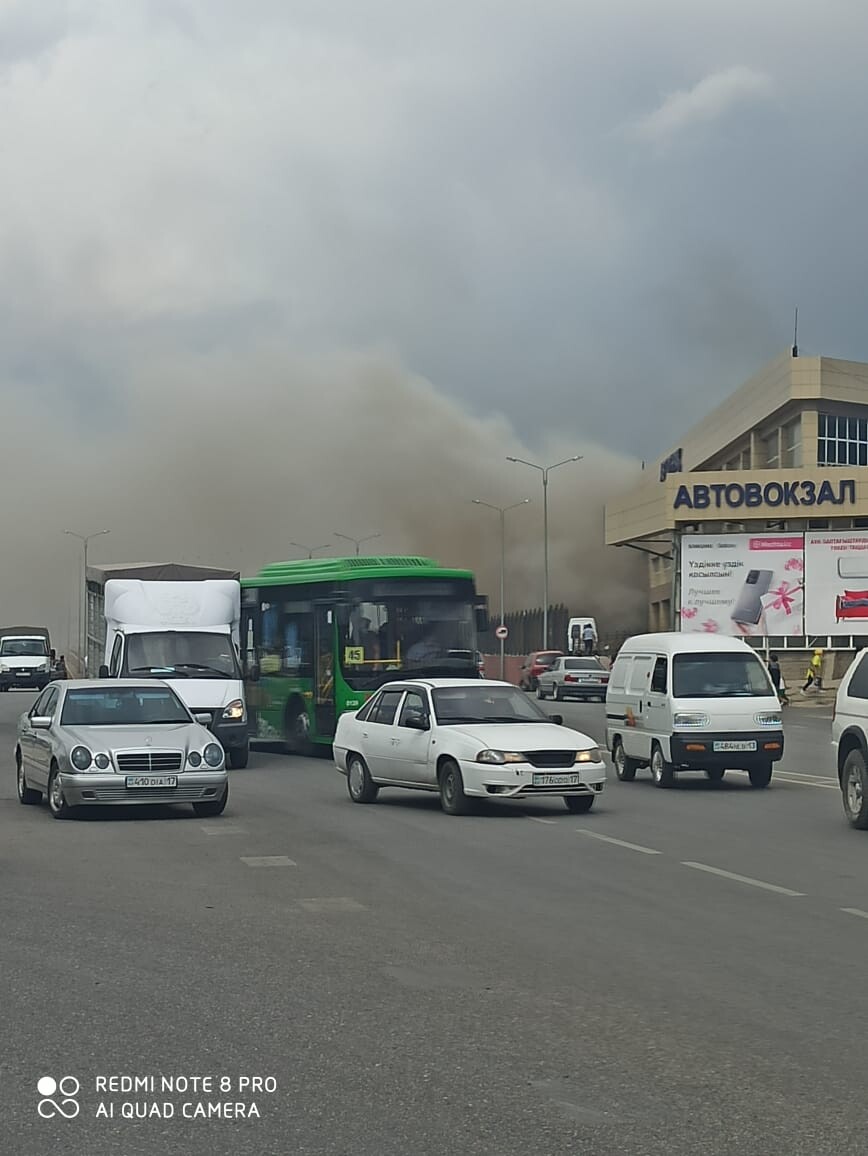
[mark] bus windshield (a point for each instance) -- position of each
(405, 635)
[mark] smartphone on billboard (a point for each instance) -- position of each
(748, 607)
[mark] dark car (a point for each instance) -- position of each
(534, 665)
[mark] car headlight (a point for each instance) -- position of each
(690, 720)
(4, 669)
(102, 762)
(81, 758)
(591, 755)
(194, 759)
(235, 710)
(213, 755)
(768, 719)
(500, 757)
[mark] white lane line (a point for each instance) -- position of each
(534, 819)
(224, 829)
(330, 905)
(268, 861)
(743, 879)
(617, 842)
(855, 911)
(801, 780)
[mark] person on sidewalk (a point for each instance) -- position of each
(777, 679)
(814, 672)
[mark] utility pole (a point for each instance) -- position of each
(357, 541)
(501, 510)
(85, 540)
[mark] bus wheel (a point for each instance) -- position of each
(297, 729)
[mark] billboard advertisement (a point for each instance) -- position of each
(836, 577)
(747, 585)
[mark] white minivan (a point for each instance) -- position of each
(692, 702)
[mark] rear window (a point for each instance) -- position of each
(582, 664)
(719, 676)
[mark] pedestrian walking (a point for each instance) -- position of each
(589, 639)
(777, 678)
(814, 673)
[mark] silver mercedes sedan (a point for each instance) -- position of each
(86, 743)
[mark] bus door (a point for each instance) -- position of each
(249, 656)
(325, 650)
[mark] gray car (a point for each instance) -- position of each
(570, 677)
(86, 743)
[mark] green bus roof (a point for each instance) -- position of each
(338, 570)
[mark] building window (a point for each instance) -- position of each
(791, 445)
(772, 450)
(842, 441)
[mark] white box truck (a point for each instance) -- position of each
(182, 628)
(25, 657)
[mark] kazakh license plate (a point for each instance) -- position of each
(152, 780)
(556, 780)
(733, 745)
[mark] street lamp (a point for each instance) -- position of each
(85, 539)
(502, 511)
(357, 541)
(311, 550)
(545, 471)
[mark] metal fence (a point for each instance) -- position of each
(526, 633)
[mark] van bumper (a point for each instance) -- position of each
(697, 751)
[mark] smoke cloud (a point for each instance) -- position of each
(228, 459)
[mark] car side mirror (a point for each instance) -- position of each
(418, 722)
(40, 722)
(203, 719)
(557, 719)
(104, 671)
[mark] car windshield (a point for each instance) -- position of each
(181, 653)
(23, 648)
(582, 664)
(481, 704)
(719, 676)
(123, 706)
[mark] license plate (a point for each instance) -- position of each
(556, 780)
(152, 780)
(731, 745)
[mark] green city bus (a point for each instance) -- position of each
(319, 636)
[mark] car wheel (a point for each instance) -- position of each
(540, 693)
(854, 790)
(559, 694)
(452, 797)
(579, 804)
(26, 795)
(58, 806)
(760, 776)
(662, 772)
(239, 757)
(360, 785)
(715, 774)
(625, 768)
(211, 809)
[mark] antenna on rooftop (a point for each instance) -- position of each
(796, 334)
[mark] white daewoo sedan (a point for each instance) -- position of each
(467, 740)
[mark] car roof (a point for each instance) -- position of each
(676, 641)
(445, 683)
(108, 683)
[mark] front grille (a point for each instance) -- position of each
(550, 758)
(148, 762)
(179, 794)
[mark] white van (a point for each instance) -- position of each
(692, 702)
(575, 634)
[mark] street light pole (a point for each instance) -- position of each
(85, 540)
(311, 550)
(501, 510)
(545, 471)
(357, 541)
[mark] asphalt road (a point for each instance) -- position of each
(522, 981)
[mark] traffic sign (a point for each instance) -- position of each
(501, 632)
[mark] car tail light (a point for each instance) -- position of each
(570, 678)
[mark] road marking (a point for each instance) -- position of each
(618, 842)
(224, 829)
(268, 861)
(534, 819)
(855, 911)
(801, 780)
(340, 903)
(743, 879)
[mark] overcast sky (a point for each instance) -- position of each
(568, 212)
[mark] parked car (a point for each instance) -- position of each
(850, 739)
(470, 656)
(584, 678)
(87, 743)
(466, 741)
(534, 665)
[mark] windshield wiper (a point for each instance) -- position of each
(201, 666)
(169, 671)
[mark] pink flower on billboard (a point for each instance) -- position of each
(794, 564)
(689, 612)
(710, 626)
